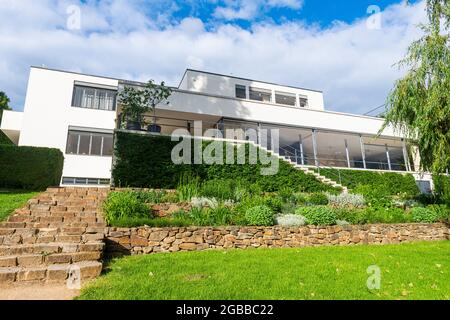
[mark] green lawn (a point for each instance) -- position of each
(408, 271)
(13, 199)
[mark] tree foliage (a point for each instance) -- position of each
(419, 104)
(137, 101)
(4, 101)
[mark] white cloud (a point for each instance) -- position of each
(249, 9)
(350, 63)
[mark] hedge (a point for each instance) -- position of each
(30, 168)
(4, 139)
(390, 182)
(144, 161)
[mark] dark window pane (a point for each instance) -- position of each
(104, 181)
(285, 99)
(92, 181)
(80, 181)
(260, 95)
(66, 180)
(303, 102)
(108, 145)
(240, 92)
(72, 143)
(85, 139)
(96, 145)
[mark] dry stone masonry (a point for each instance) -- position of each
(63, 228)
(145, 240)
(59, 229)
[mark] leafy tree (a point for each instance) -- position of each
(136, 101)
(419, 104)
(4, 101)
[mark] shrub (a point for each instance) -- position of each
(221, 216)
(259, 216)
(30, 167)
(290, 220)
(442, 212)
(188, 187)
(134, 168)
(390, 182)
(425, 215)
(121, 205)
(346, 200)
(373, 215)
(318, 215)
(317, 199)
(219, 189)
(151, 196)
(204, 202)
(375, 196)
(3, 137)
(274, 202)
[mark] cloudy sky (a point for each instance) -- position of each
(337, 46)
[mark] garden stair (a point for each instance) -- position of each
(59, 232)
(309, 171)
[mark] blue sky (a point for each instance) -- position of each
(326, 45)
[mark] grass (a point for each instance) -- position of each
(408, 271)
(13, 199)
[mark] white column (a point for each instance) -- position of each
(347, 153)
(301, 149)
(388, 158)
(363, 152)
(316, 161)
(405, 156)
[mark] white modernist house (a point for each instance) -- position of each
(78, 113)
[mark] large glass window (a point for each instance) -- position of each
(285, 98)
(89, 143)
(94, 98)
(262, 95)
(241, 92)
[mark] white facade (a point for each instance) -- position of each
(50, 114)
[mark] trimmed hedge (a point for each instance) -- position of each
(144, 161)
(390, 182)
(4, 140)
(30, 168)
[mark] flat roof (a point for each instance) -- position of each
(247, 79)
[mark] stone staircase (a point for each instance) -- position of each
(57, 235)
(307, 170)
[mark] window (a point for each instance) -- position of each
(285, 98)
(85, 181)
(94, 98)
(260, 95)
(241, 92)
(89, 143)
(303, 102)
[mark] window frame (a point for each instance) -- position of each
(286, 94)
(91, 134)
(241, 87)
(95, 97)
(261, 91)
(74, 180)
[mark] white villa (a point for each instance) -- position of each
(77, 113)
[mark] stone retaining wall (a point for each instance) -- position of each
(145, 240)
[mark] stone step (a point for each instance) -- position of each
(50, 248)
(52, 273)
(44, 259)
(61, 236)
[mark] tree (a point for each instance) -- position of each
(137, 101)
(419, 104)
(4, 101)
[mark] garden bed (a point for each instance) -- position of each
(234, 203)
